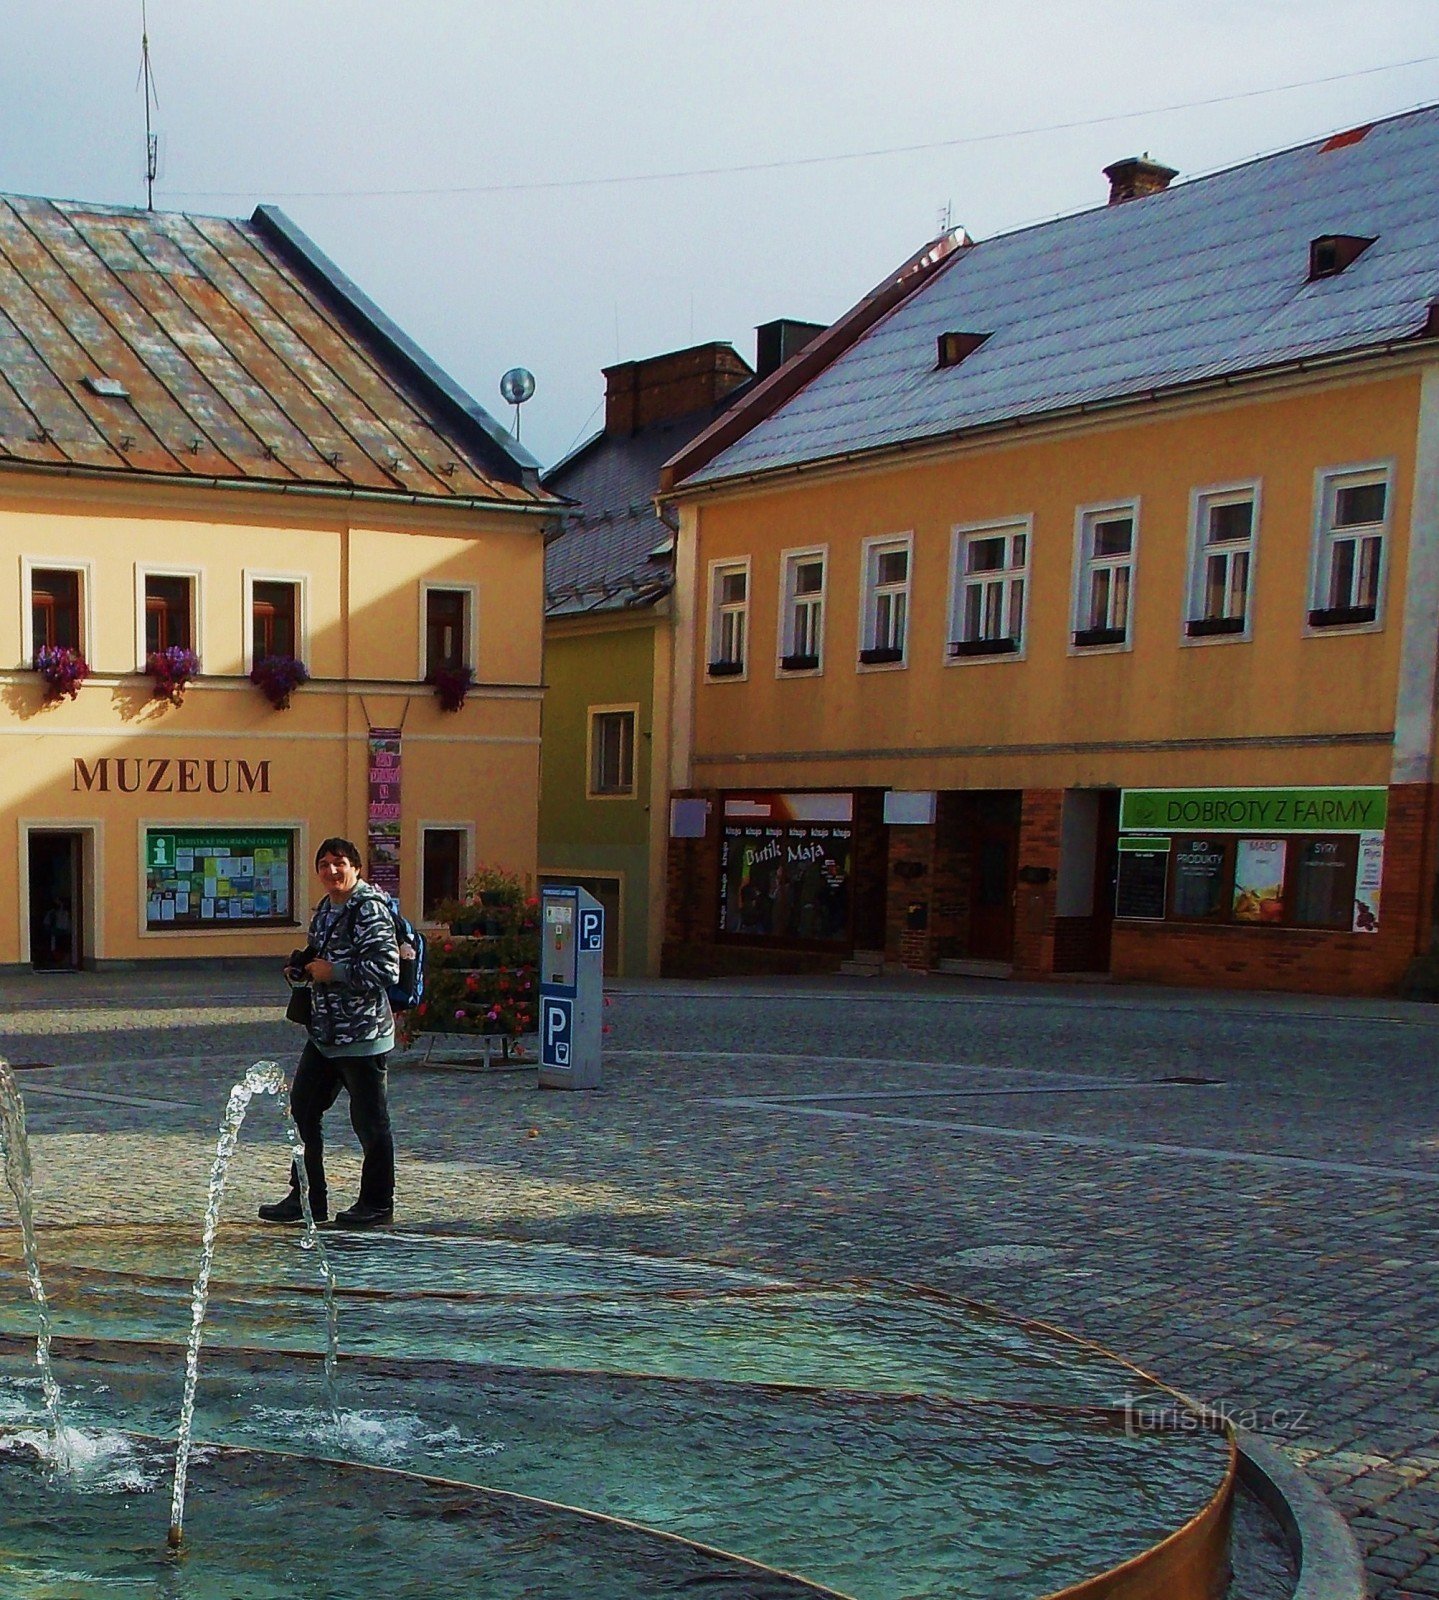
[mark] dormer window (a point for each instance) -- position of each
(954, 347)
(1331, 253)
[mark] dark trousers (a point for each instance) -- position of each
(317, 1085)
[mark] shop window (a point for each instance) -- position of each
(1199, 878)
(729, 619)
(1223, 546)
(1324, 879)
(885, 617)
(447, 629)
(274, 609)
(612, 751)
(1351, 538)
(55, 608)
(169, 613)
(802, 611)
(1103, 593)
(443, 852)
(991, 570)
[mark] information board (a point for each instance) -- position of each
(218, 878)
(1143, 874)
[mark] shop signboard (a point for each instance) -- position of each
(1336, 810)
(218, 878)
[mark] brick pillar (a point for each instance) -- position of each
(1038, 876)
(692, 892)
(908, 909)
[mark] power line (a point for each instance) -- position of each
(540, 185)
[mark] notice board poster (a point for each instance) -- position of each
(218, 878)
(787, 881)
(1139, 888)
(384, 825)
(1367, 878)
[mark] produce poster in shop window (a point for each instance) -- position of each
(1259, 880)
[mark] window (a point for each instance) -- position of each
(1106, 576)
(612, 751)
(446, 629)
(1223, 560)
(443, 852)
(169, 611)
(1353, 515)
(885, 616)
(1200, 868)
(729, 619)
(274, 608)
(55, 608)
(991, 565)
(802, 611)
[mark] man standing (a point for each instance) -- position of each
(352, 957)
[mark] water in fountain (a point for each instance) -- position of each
(20, 1179)
(264, 1077)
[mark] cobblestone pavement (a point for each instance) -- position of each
(1237, 1192)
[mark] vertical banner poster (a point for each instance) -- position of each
(384, 836)
(1259, 880)
(1367, 879)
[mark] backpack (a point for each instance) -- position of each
(411, 988)
(408, 991)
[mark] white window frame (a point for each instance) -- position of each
(250, 577)
(1201, 502)
(1086, 519)
(631, 709)
(871, 550)
(467, 855)
(471, 592)
(790, 601)
(961, 536)
(718, 571)
(196, 579)
(29, 565)
(1327, 483)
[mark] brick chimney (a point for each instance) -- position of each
(659, 388)
(1135, 177)
(776, 342)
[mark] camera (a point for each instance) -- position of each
(295, 973)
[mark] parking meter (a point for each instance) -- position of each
(572, 987)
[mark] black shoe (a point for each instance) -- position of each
(290, 1210)
(361, 1215)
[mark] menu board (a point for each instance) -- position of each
(1140, 883)
(218, 878)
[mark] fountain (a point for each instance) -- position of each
(568, 1420)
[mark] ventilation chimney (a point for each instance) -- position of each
(776, 342)
(661, 388)
(1135, 177)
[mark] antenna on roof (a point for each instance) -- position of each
(152, 139)
(946, 217)
(517, 386)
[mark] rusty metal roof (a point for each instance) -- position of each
(158, 344)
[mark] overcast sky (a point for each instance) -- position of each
(486, 171)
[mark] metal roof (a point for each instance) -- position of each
(241, 353)
(1206, 280)
(605, 559)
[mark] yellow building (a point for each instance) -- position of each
(1073, 604)
(212, 445)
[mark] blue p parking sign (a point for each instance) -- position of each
(556, 1030)
(592, 927)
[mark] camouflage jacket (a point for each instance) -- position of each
(358, 939)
